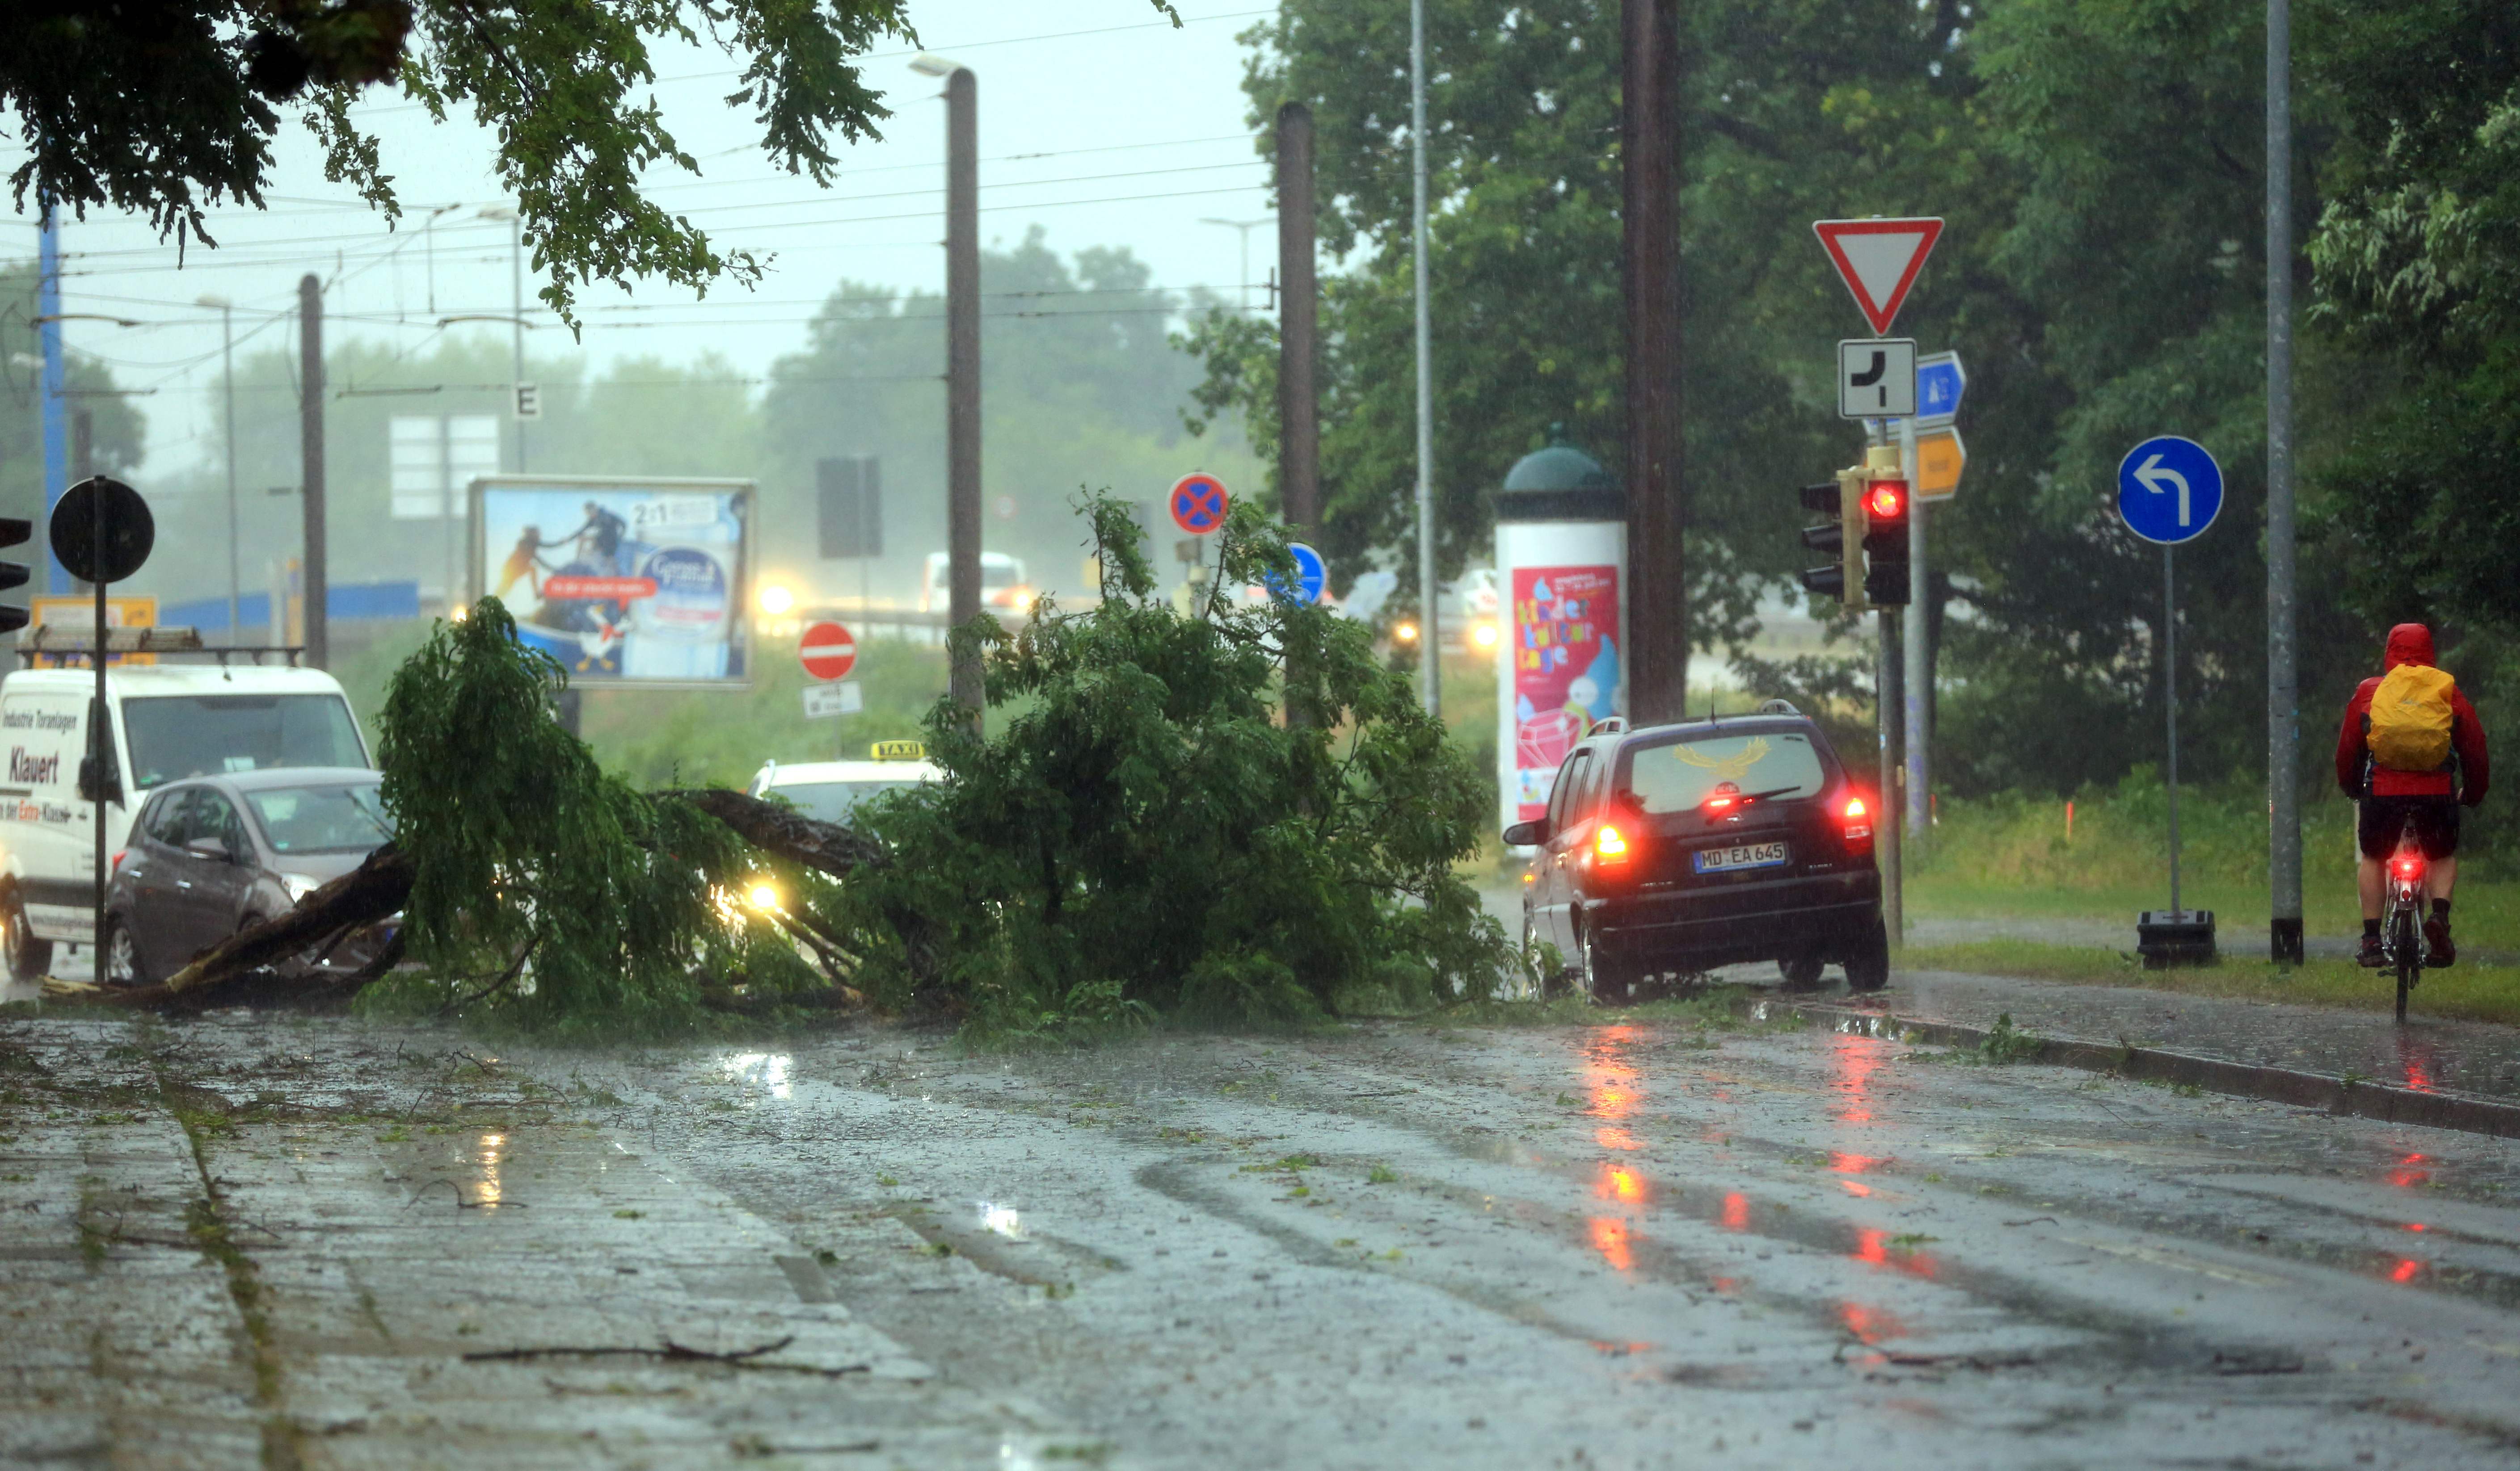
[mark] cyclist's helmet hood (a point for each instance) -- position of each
(2409, 643)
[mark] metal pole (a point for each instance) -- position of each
(2283, 714)
(1430, 664)
(227, 366)
(2170, 707)
(100, 724)
(963, 376)
(1917, 686)
(48, 307)
(1885, 830)
(313, 586)
(1656, 588)
(1299, 428)
(517, 320)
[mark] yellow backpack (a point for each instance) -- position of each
(2410, 718)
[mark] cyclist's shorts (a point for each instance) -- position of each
(2436, 821)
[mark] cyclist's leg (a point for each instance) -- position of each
(2437, 833)
(2375, 835)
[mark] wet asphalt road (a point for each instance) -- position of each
(1639, 1242)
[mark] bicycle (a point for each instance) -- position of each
(2402, 929)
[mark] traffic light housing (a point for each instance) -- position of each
(1841, 537)
(1888, 502)
(13, 574)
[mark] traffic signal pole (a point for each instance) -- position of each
(963, 380)
(1886, 847)
(1918, 685)
(2284, 695)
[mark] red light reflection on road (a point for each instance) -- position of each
(1851, 1164)
(2406, 1270)
(1615, 1138)
(2417, 1226)
(1873, 1248)
(2408, 1173)
(1869, 1325)
(1611, 1239)
(1851, 1062)
(1736, 1213)
(1618, 1183)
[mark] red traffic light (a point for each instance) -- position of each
(1885, 500)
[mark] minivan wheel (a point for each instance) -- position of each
(28, 958)
(1867, 969)
(1607, 979)
(121, 955)
(1801, 972)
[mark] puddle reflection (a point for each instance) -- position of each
(1869, 1324)
(761, 1072)
(2416, 1059)
(2406, 1270)
(2410, 1172)
(1878, 1248)
(487, 1151)
(1618, 1183)
(1851, 1062)
(1736, 1212)
(1005, 1220)
(1610, 1236)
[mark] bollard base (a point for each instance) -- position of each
(2174, 937)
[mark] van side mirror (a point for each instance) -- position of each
(1529, 834)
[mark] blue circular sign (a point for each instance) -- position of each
(1311, 576)
(2169, 489)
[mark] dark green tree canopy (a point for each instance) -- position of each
(165, 106)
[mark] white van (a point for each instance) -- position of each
(170, 722)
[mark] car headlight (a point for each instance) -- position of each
(299, 886)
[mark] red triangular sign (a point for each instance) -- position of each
(1880, 260)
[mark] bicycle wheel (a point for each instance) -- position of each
(2401, 953)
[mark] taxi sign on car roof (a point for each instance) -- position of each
(900, 750)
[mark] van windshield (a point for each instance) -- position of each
(1676, 776)
(177, 735)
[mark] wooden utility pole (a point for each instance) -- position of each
(963, 376)
(1299, 428)
(313, 587)
(1657, 587)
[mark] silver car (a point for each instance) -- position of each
(212, 854)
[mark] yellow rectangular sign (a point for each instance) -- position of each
(1940, 459)
(78, 611)
(900, 750)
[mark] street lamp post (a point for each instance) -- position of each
(1244, 229)
(227, 373)
(961, 367)
(1430, 672)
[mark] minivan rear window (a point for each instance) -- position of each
(1678, 775)
(177, 735)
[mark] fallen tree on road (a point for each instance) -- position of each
(1146, 836)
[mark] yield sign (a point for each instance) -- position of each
(1880, 260)
(828, 650)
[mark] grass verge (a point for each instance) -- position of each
(2464, 991)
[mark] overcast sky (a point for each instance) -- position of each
(1097, 121)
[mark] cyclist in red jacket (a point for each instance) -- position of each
(2389, 798)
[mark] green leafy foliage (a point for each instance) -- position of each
(546, 894)
(1148, 837)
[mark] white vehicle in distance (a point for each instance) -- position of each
(1003, 587)
(168, 722)
(831, 790)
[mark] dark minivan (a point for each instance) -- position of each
(1715, 842)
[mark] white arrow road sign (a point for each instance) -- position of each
(1876, 378)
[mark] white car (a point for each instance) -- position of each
(168, 722)
(1002, 585)
(831, 790)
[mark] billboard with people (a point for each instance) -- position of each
(622, 580)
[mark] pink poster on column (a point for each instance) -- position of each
(1566, 669)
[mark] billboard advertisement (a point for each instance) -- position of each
(624, 580)
(1565, 646)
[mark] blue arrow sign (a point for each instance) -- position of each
(1311, 576)
(1941, 380)
(2169, 489)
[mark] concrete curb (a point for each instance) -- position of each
(2353, 1097)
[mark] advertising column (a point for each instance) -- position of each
(1561, 567)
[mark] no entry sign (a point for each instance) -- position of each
(1198, 503)
(829, 650)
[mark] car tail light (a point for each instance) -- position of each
(1858, 819)
(1609, 845)
(1723, 799)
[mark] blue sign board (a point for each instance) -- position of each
(1939, 383)
(2169, 489)
(1311, 576)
